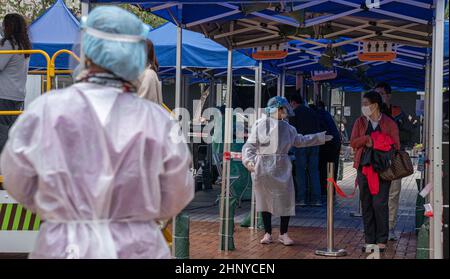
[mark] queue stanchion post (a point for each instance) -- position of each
(330, 251)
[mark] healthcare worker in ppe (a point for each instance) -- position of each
(97, 163)
(265, 155)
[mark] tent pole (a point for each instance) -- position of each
(85, 7)
(178, 86)
(437, 73)
(225, 201)
(426, 123)
(253, 223)
(178, 82)
(260, 79)
(279, 85)
(283, 83)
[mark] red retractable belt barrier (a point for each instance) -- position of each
(339, 190)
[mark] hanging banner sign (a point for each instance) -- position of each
(323, 75)
(377, 51)
(272, 52)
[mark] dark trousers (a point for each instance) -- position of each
(328, 154)
(6, 121)
(267, 221)
(375, 210)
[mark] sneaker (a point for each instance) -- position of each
(381, 247)
(392, 235)
(318, 204)
(285, 239)
(366, 249)
(267, 239)
(301, 204)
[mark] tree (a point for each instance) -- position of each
(145, 16)
(446, 12)
(32, 9)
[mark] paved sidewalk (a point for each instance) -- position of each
(307, 228)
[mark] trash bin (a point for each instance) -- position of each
(423, 240)
(181, 236)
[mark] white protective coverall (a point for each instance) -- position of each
(99, 167)
(267, 148)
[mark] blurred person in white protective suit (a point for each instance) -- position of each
(265, 155)
(97, 163)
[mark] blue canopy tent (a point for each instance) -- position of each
(56, 29)
(202, 58)
(198, 51)
(244, 24)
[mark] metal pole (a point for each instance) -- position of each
(260, 79)
(429, 152)
(225, 208)
(279, 85)
(85, 6)
(426, 122)
(283, 83)
(178, 73)
(437, 71)
(253, 223)
(330, 251)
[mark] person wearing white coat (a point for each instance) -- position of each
(265, 155)
(98, 164)
(149, 85)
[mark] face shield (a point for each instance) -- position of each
(276, 103)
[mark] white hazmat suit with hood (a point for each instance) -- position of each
(266, 154)
(100, 167)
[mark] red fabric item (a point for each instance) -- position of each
(339, 191)
(381, 141)
(359, 138)
(372, 179)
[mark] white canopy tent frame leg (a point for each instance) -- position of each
(279, 85)
(257, 109)
(436, 249)
(228, 137)
(178, 86)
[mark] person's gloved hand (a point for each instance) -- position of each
(327, 137)
(251, 166)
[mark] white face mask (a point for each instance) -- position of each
(366, 111)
